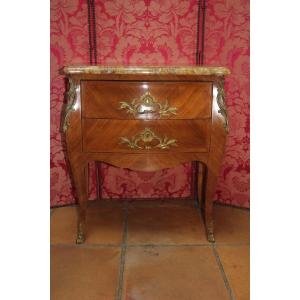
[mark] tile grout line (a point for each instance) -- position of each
(222, 271)
(123, 254)
(188, 245)
(86, 246)
(61, 245)
(219, 263)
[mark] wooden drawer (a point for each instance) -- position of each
(146, 100)
(103, 135)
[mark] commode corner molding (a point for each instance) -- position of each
(221, 103)
(71, 100)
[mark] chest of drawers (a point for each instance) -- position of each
(146, 118)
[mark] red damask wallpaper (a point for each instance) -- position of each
(155, 32)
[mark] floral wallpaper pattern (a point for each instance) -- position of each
(227, 42)
(136, 32)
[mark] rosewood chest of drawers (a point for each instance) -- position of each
(146, 118)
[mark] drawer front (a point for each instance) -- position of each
(136, 136)
(146, 100)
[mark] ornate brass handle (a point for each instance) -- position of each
(144, 140)
(147, 104)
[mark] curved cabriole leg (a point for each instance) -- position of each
(81, 222)
(207, 201)
(199, 187)
(194, 184)
(82, 204)
(211, 181)
(80, 176)
(219, 131)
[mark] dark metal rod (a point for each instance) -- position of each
(90, 32)
(198, 32)
(94, 31)
(203, 30)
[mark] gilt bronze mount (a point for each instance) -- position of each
(147, 104)
(147, 136)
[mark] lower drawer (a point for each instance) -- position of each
(102, 135)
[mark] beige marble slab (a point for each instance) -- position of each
(172, 70)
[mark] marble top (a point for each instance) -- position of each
(173, 70)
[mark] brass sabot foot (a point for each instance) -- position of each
(80, 238)
(210, 237)
(210, 233)
(80, 234)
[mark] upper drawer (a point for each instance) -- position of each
(146, 100)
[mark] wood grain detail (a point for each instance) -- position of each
(101, 135)
(102, 99)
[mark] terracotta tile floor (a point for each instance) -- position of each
(149, 251)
